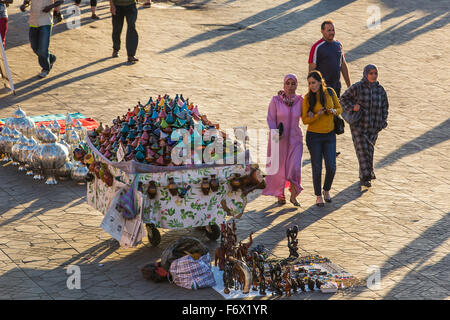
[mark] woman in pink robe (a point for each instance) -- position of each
(285, 108)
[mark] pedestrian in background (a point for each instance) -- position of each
(121, 9)
(41, 22)
(93, 8)
(366, 106)
(4, 19)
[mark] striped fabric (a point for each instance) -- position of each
(193, 274)
(313, 52)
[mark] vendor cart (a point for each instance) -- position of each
(187, 207)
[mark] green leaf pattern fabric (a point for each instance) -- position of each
(173, 212)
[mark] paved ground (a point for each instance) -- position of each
(229, 57)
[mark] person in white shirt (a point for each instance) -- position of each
(41, 23)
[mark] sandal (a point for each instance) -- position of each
(281, 201)
(325, 198)
(320, 204)
(366, 183)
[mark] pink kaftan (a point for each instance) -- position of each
(290, 148)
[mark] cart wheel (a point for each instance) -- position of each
(212, 232)
(153, 235)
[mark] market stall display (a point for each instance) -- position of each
(242, 271)
(44, 148)
(138, 150)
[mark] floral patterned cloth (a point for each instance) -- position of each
(173, 212)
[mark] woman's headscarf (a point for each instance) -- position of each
(366, 72)
(290, 76)
(282, 94)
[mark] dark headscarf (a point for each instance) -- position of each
(366, 72)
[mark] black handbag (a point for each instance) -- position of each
(280, 129)
(339, 123)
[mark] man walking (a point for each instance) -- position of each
(121, 9)
(41, 22)
(327, 56)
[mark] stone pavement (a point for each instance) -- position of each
(229, 57)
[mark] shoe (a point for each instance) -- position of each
(147, 4)
(366, 183)
(115, 53)
(295, 203)
(132, 60)
(43, 73)
(325, 198)
(320, 204)
(373, 177)
(281, 201)
(57, 17)
(95, 17)
(52, 63)
(337, 154)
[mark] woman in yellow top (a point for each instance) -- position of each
(317, 112)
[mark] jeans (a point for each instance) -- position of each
(132, 39)
(40, 40)
(322, 146)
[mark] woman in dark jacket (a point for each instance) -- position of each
(365, 106)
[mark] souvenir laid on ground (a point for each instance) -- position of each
(241, 271)
(139, 147)
(44, 150)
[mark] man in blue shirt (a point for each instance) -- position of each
(327, 56)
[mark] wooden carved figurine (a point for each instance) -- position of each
(228, 277)
(287, 281)
(261, 278)
(292, 242)
(310, 284)
(301, 283)
(275, 275)
(219, 254)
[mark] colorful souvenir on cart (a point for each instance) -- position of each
(173, 189)
(214, 183)
(235, 182)
(205, 186)
(152, 190)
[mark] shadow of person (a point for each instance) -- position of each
(438, 134)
